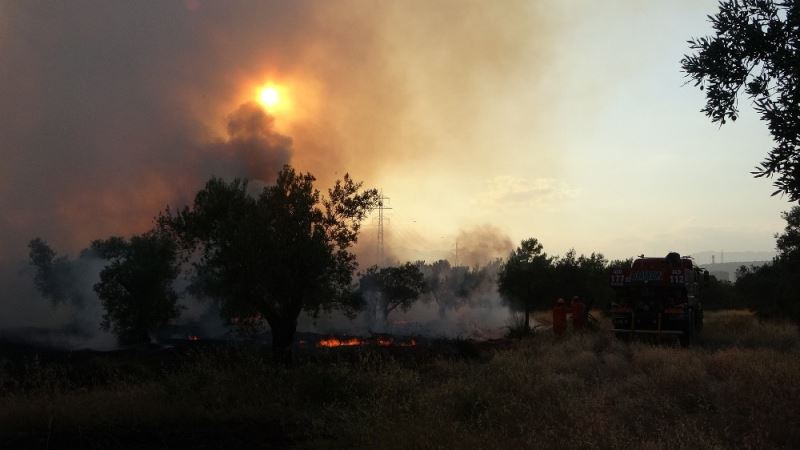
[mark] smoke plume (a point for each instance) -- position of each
(253, 148)
(111, 110)
(481, 244)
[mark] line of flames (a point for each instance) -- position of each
(352, 342)
(381, 341)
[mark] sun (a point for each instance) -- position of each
(278, 97)
(269, 97)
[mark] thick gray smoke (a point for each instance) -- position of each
(253, 149)
(110, 110)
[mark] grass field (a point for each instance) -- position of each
(737, 388)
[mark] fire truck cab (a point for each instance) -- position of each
(658, 297)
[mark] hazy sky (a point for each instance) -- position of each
(568, 121)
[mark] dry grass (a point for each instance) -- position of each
(740, 388)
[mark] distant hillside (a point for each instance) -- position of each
(727, 271)
(726, 257)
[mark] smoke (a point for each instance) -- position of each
(70, 321)
(253, 148)
(481, 244)
(112, 110)
(459, 302)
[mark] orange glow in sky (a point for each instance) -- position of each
(269, 97)
(291, 100)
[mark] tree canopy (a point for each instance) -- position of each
(523, 279)
(270, 256)
(56, 276)
(583, 276)
(136, 287)
(788, 243)
(46, 280)
(773, 290)
(397, 287)
(755, 49)
(448, 286)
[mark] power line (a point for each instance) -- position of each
(381, 208)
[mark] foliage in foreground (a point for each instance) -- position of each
(773, 290)
(755, 49)
(738, 389)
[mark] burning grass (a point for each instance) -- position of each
(738, 388)
(378, 340)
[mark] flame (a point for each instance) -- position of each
(335, 342)
(410, 343)
(193, 338)
(381, 341)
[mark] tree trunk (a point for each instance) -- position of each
(384, 312)
(528, 311)
(134, 337)
(527, 316)
(282, 334)
(442, 311)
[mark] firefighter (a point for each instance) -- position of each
(559, 317)
(578, 313)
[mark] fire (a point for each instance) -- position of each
(334, 342)
(193, 338)
(381, 341)
(410, 343)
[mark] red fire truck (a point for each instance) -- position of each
(658, 297)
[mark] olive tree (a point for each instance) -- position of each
(136, 286)
(56, 276)
(397, 287)
(773, 289)
(272, 255)
(755, 50)
(525, 278)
